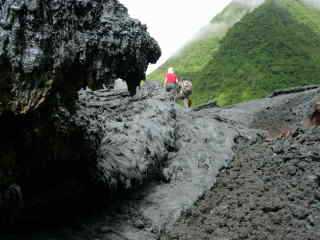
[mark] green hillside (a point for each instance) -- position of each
(198, 53)
(275, 46)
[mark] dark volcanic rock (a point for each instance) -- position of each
(271, 189)
(134, 135)
(124, 142)
(57, 47)
(148, 142)
(58, 148)
(293, 90)
(192, 155)
(263, 195)
(48, 51)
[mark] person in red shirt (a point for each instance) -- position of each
(171, 81)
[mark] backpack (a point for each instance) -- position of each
(186, 87)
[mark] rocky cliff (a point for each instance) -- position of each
(57, 47)
(48, 51)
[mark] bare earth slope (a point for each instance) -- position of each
(271, 189)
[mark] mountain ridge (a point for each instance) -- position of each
(205, 43)
(274, 46)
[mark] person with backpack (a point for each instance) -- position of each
(314, 119)
(185, 91)
(171, 81)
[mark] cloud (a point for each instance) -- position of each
(250, 3)
(313, 3)
(219, 28)
(255, 3)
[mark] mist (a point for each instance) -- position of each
(219, 28)
(313, 3)
(255, 3)
(250, 3)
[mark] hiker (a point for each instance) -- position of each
(171, 81)
(314, 119)
(185, 91)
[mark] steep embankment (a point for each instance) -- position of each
(275, 46)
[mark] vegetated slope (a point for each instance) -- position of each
(198, 53)
(275, 46)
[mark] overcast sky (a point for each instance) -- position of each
(173, 22)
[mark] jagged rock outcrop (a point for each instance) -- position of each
(124, 142)
(57, 47)
(134, 135)
(48, 51)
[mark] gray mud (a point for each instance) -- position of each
(204, 146)
(271, 189)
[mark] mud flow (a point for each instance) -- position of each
(271, 189)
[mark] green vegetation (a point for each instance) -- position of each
(275, 46)
(269, 49)
(303, 13)
(198, 53)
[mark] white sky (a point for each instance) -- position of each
(173, 22)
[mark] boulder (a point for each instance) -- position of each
(133, 136)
